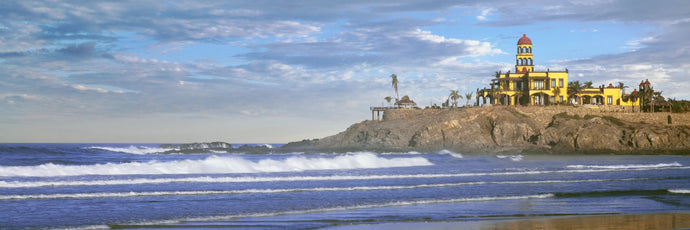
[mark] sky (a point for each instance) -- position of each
(278, 71)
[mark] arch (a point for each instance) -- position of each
(530, 62)
(518, 49)
(586, 99)
(539, 98)
(529, 50)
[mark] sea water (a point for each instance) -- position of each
(57, 186)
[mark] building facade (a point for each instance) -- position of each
(525, 86)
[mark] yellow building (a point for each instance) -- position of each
(527, 87)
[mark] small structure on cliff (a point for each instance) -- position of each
(528, 87)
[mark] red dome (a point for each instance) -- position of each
(524, 40)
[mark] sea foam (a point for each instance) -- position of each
(217, 164)
(288, 190)
(132, 149)
(638, 166)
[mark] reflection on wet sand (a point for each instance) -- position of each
(628, 222)
(655, 221)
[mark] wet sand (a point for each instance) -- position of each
(652, 221)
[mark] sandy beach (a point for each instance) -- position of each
(651, 221)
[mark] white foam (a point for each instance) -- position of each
(133, 149)
(217, 164)
(644, 166)
(254, 191)
(511, 157)
(450, 153)
(354, 207)
(682, 191)
(249, 179)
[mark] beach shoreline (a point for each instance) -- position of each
(628, 221)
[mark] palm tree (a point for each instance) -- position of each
(574, 87)
(455, 95)
(468, 96)
(556, 92)
(588, 84)
(622, 87)
(394, 82)
(388, 99)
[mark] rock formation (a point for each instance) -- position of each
(505, 129)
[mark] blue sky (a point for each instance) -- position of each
(279, 71)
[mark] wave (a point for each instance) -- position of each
(256, 191)
(282, 179)
(249, 179)
(681, 191)
(450, 153)
(342, 208)
(512, 157)
(140, 150)
(643, 166)
(217, 164)
(613, 193)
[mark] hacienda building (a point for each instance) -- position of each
(525, 86)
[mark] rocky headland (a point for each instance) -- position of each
(503, 129)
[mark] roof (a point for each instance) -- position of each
(524, 40)
(405, 101)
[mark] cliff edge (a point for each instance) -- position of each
(554, 130)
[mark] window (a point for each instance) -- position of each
(553, 100)
(538, 84)
(553, 82)
(560, 99)
(609, 100)
(560, 82)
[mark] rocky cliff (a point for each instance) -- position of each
(506, 129)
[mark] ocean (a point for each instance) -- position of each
(134, 186)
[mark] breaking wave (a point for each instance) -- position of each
(133, 149)
(287, 190)
(681, 191)
(511, 157)
(644, 166)
(450, 153)
(217, 164)
(345, 208)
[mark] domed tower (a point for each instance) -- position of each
(523, 60)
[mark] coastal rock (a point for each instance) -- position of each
(198, 146)
(501, 129)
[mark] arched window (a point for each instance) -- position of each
(519, 50)
(529, 50)
(530, 62)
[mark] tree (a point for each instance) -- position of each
(574, 87)
(445, 104)
(468, 97)
(388, 99)
(622, 87)
(556, 92)
(588, 84)
(455, 95)
(394, 82)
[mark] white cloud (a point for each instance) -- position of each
(483, 15)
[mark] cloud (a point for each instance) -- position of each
(309, 60)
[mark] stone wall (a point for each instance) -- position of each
(544, 114)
